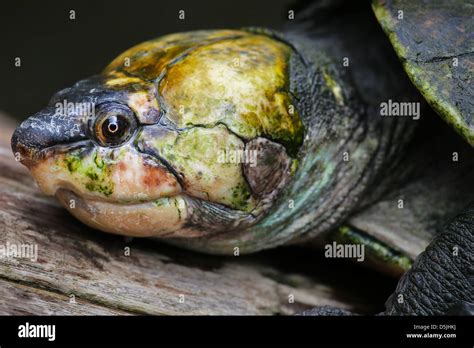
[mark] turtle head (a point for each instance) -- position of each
(81, 149)
(189, 134)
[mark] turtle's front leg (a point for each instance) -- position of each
(441, 280)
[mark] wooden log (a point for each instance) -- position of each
(18, 299)
(107, 274)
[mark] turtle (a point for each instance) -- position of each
(237, 140)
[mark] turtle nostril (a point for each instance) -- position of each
(15, 142)
(44, 130)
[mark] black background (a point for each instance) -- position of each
(56, 52)
(288, 330)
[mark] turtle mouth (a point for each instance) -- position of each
(179, 216)
(79, 197)
(163, 217)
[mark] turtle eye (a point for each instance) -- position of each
(114, 124)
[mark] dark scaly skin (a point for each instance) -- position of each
(325, 311)
(441, 280)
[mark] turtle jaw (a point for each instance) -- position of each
(164, 217)
(178, 217)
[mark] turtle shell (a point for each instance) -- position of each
(434, 40)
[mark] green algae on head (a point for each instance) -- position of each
(91, 171)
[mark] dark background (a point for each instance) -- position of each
(56, 52)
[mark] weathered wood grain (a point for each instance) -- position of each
(154, 278)
(18, 299)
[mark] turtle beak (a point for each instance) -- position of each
(44, 130)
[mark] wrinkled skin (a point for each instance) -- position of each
(441, 280)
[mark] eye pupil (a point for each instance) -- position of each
(113, 127)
